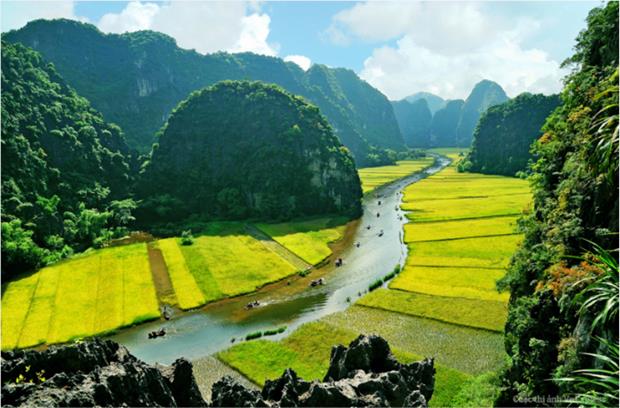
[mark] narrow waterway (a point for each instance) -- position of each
(291, 302)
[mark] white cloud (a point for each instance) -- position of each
(408, 68)
(207, 26)
(445, 48)
(136, 16)
(15, 14)
(254, 33)
(301, 60)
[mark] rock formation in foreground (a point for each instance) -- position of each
(104, 373)
(99, 372)
(364, 374)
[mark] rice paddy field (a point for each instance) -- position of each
(91, 294)
(373, 177)
(308, 239)
(444, 304)
(114, 287)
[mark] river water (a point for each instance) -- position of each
(291, 302)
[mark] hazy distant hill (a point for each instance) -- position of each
(414, 119)
(434, 102)
(135, 79)
(484, 95)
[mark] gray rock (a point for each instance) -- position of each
(98, 372)
(363, 374)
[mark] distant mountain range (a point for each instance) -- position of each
(452, 123)
(136, 79)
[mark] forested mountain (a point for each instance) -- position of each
(63, 167)
(136, 79)
(564, 285)
(414, 120)
(434, 102)
(244, 149)
(505, 133)
(444, 123)
(484, 95)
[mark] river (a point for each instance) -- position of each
(290, 302)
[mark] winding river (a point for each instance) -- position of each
(290, 302)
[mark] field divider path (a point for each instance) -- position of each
(30, 300)
(161, 278)
(277, 248)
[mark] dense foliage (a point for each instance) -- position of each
(414, 120)
(484, 95)
(246, 149)
(444, 123)
(64, 170)
(575, 185)
(505, 133)
(136, 79)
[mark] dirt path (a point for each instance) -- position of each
(161, 278)
(277, 248)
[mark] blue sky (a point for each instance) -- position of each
(398, 47)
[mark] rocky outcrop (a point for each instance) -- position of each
(364, 374)
(98, 372)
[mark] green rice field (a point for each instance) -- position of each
(373, 177)
(91, 294)
(308, 239)
(307, 352)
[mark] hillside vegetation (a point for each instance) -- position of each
(246, 149)
(65, 171)
(505, 133)
(142, 76)
(564, 289)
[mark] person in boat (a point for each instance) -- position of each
(368, 227)
(357, 244)
(379, 202)
(381, 233)
(378, 215)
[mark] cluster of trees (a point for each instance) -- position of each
(426, 120)
(65, 172)
(563, 314)
(244, 149)
(142, 76)
(505, 133)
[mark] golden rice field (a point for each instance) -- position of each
(90, 294)
(308, 239)
(373, 177)
(226, 261)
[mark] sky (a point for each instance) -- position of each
(443, 47)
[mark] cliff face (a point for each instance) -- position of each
(136, 79)
(484, 95)
(242, 149)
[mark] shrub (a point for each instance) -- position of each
(254, 335)
(273, 332)
(187, 238)
(376, 284)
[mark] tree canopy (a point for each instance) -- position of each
(244, 149)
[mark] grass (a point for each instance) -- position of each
(480, 391)
(87, 295)
(471, 283)
(476, 313)
(373, 177)
(187, 291)
(308, 239)
(307, 351)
